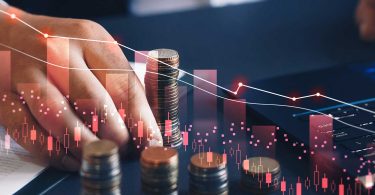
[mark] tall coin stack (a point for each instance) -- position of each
(162, 93)
(208, 174)
(260, 175)
(159, 171)
(100, 169)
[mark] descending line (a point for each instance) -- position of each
(199, 88)
(13, 16)
(355, 106)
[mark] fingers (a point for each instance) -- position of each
(54, 114)
(12, 115)
(365, 16)
(87, 86)
(124, 87)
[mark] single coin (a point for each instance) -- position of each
(159, 155)
(99, 149)
(260, 165)
(164, 54)
(201, 161)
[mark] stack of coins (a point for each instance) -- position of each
(260, 175)
(100, 169)
(159, 170)
(208, 174)
(162, 93)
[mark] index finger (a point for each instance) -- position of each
(126, 90)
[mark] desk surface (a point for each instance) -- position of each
(254, 41)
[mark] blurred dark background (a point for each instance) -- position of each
(97, 8)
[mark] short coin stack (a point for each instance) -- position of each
(159, 171)
(100, 169)
(162, 93)
(208, 174)
(260, 175)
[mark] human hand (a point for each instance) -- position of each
(365, 16)
(85, 83)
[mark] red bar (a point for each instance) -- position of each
(298, 188)
(95, 127)
(140, 129)
(49, 143)
(77, 134)
(341, 189)
(268, 178)
(235, 112)
(33, 135)
(58, 54)
(5, 73)
(205, 105)
(209, 157)
(246, 165)
(121, 112)
(324, 182)
(321, 133)
(185, 138)
(168, 128)
(225, 158)
(283, 186)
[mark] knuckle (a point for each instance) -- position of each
(86, 26)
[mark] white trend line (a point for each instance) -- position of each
(307, 96)
(265, 91)
(82, 39)
(13, 16)
(336, 100)
(208, 92)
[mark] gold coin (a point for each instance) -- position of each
(159, 156)
(262, 165)
(201, 161)
(99, 149)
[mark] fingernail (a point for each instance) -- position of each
(155, 142)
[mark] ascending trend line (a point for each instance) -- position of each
(45, 35)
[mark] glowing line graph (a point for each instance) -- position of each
(303, 97)
(13, 16)
(187, 83)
